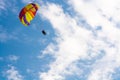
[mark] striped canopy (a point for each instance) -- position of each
(28, 13)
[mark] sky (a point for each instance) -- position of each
(82, 41)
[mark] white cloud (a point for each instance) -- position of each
(71, 44)
(109, 35)
(31, 1)
(5, 5)
(5, 36)
(1, 58)
(74, 42)
(13, 57)
(28, 70)
(2, 4)
(100, 74)
(13, 74)
(27, 1)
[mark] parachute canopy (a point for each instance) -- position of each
(28, 13)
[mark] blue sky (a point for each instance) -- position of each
(82, 41)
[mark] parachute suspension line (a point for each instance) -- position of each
(42, 27)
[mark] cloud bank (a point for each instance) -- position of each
(96, 47)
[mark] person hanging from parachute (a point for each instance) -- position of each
(28, 13)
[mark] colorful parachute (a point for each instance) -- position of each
(28, 13)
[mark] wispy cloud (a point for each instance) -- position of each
(5, 36)
(1, 58)
(2, 4)
(10, 58)
(13, 74)
(28, 1)
(6, 5)
(13, 57)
